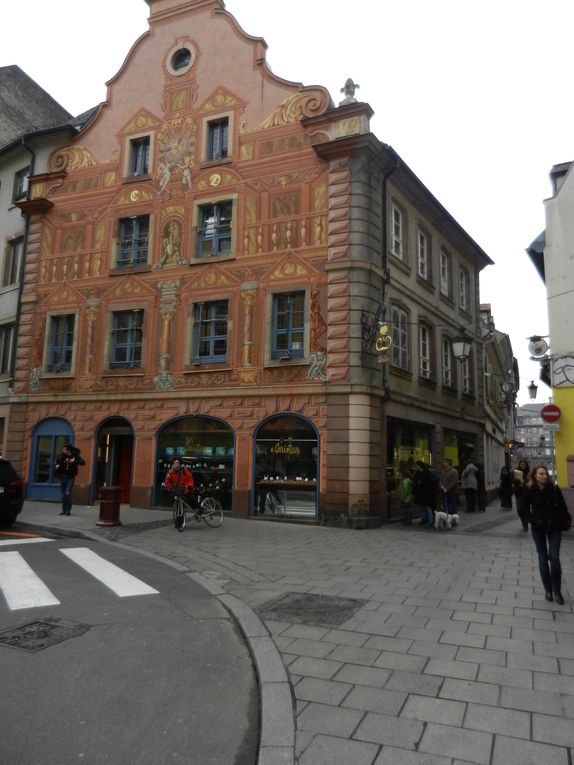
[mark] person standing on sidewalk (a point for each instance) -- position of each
(425, 492)
(520, 481)
(406, 495)
(448, 484)
(545, 510)
(469, 484)
(66, 469)
(505, 488)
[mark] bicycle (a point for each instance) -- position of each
(208, 509)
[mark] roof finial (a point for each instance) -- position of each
(348, 90)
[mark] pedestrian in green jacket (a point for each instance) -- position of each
(406, 495)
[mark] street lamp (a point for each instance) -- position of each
(532, 390)
(461, 345)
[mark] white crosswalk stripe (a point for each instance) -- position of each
(23, 588)
(119, 581)
(20, 585)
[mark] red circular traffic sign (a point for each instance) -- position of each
(550, 413)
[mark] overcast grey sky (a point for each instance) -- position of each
(475, 95)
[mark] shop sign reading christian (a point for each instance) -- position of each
(282, 448)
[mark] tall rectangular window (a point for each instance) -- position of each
(215, 229)
(465, 375)
(218, 135)
(447, 376)
(13, 262)
(424, 352)
(288, 328)
(7, 332)
(126, 345)
(210, 331)
(444, 272)
(400, 337)
(396, 232)
(423, 254)
(133, 241)
(60, 343)
(463, 286)
(20, 184)
(139, 156)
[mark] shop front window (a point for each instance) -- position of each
(407, 442)
(206, 447)
(48, 440)
(286, 468)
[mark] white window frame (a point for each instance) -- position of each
(129, 147)
(425, 345)
(13, 258)
(400, 337)
(447, 366)
(465, 376)
(423, 254)
(7, 340)
(444, 272)
(397, 230)
(463, 289)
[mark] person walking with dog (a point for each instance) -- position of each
(66, 469)
(448, 484)
(546, 511)
(425, 492)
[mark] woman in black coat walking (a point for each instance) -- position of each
(545, 510)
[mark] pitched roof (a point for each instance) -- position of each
(25, 106)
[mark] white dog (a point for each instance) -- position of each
(444, 520)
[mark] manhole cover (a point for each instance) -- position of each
(35, 636)
(316, 610)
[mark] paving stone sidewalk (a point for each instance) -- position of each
(403, 646)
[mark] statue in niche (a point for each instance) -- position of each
(170, 251)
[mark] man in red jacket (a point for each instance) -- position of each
(178, 476)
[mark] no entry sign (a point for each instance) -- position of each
(550, 413)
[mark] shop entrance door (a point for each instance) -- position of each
(115, 456)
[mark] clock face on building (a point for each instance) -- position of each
(175, 148)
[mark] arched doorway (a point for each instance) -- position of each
(286, 464)
(114, 456)
(48, 439)
(205, 445)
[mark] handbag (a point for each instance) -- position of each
(565, 520)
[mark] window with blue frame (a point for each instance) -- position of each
(210, 331)
(133, 241)
(126, 340)
(60, 343)
(139, 156)
(215, 229)
(218, 131)
(288, 329)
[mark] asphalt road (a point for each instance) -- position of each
(147, 679)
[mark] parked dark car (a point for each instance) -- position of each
(11, 493)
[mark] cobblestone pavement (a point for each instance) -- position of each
(419, 647)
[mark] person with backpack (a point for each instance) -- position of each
(66, 469)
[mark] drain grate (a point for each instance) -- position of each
(35, 636)
(315, 610)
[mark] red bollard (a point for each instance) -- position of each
(110, 506)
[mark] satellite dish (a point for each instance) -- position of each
(537, 347)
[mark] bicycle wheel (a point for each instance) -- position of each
(212, 512)
(178, 514)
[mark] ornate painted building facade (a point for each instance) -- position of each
(208, 264)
